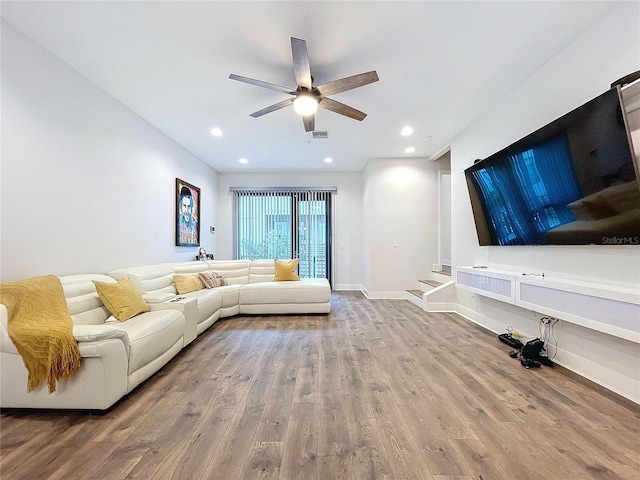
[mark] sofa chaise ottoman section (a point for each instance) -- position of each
(308, 295)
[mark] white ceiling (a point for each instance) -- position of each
(441, 65)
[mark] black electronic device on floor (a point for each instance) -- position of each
(510, 340)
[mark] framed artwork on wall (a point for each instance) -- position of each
(187, 214)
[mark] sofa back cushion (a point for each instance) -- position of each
(85, 307)
(149, 278)
(185, 268)
(235, 272)
(262, 271)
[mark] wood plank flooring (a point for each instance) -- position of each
(376, 390)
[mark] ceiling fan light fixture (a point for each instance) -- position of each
(307, 97)
(305, 104)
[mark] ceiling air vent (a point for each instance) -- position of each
(320, 134)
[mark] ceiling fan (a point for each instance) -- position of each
(307, 97)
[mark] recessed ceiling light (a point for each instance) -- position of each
(216, 132)
(409, 150)
(406, 131)
(243, 160)
(328, 160)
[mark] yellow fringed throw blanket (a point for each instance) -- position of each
(41, 329)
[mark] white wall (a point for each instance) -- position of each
(347, 221)
(584, 69)
(87, 185)
(401, 210)
(444, 215)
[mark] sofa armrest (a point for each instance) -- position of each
(99, 333)
(6, 345)
(87, 336)
(157, 297)
(189, 308)
(92, 339)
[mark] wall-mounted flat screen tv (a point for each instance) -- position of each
(572, 182)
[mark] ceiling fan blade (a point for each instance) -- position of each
(273, 108)
(301, 66)
(260, 83)
(309, 123)
(341, 108)
(348, 83)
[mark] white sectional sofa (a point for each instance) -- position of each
(118, 356)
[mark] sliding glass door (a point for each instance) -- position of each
(285, 223)
(311, 238)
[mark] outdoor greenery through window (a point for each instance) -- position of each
(285, 223)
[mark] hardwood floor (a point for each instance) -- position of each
(376, 390)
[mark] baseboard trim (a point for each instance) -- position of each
(348, 287)
(581, 367)
(441, 307)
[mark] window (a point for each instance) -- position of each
(285, 223)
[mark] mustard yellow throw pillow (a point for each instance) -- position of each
(122, 299)
(286, 270)
(187, 283)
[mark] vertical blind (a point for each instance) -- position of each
(284, 223)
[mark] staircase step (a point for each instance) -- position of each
(432, 283)
(446, 270)
(417, 293)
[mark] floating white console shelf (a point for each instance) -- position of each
(495, 284)
(610, 309)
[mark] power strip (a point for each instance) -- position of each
(509, 340)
